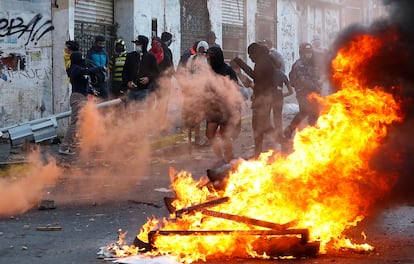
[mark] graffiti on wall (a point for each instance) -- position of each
(288, 32)
(19, 33)
(30, 27)
(332, 23)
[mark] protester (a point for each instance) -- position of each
(304, 77)
(263, 76)
(70, 46)
(98, 55)
(167, 65)
(191, 120)
(223, 110)
(186, 55)
(156, 49)
(116, 64)
(163, 90)
(77, 73)
(140, 70)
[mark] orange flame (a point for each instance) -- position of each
(325, 185)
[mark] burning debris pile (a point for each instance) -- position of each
(299, 204)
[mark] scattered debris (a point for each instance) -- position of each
(144, 203)
(47, 205)
(49, 228)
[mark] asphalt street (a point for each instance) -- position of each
(86, 219)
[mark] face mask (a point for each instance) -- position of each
(308, 56)
(138, 49)
(119, 49)
(168, 42)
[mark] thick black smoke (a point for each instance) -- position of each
(393, 69)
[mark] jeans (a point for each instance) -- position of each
(77, 101)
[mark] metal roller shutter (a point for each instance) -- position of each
(95, 11)
(266, 20)
(233, 12)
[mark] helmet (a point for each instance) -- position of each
(119, 45)
(305, 48)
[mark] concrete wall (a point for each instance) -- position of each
(33, 39)
(134, 17)
(26, 43)
(288, 31)
(63, 21)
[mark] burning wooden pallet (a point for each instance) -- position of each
(277, 240)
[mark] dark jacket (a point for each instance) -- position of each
(222, 108)
(137, 66)
(167, 62)
(80, 83)
(98, 55)
(304, 77)
(219, 66)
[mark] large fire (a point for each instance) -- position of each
(325, 185)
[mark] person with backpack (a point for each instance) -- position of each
(264, 80)
(78, 73)
(98, 57)
(304, 77)
(223, 107)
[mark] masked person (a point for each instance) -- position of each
(77, 73)
(140, 70)
(264, 79)
(304, 77)
(117, 65)
(223, 108)
(99, 57)
(197, 63)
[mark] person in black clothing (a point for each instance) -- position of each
(305, 78)
(166, 66)
(140, 70)
(223, 111)
(264, 79)
(116, 65)
(77, 73)
(186, 55)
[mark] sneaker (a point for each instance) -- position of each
(66, 151)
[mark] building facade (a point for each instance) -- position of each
(33, 32)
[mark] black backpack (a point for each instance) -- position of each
(96, 78)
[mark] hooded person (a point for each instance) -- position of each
(140, 70)
(198, 57)
(197, 64)
(156, 49)
(167, 64)
(264, 79)
(78, 73)
(70, 46)
(98, 56)
(305, 78)
(117, 65)
(223, 107)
